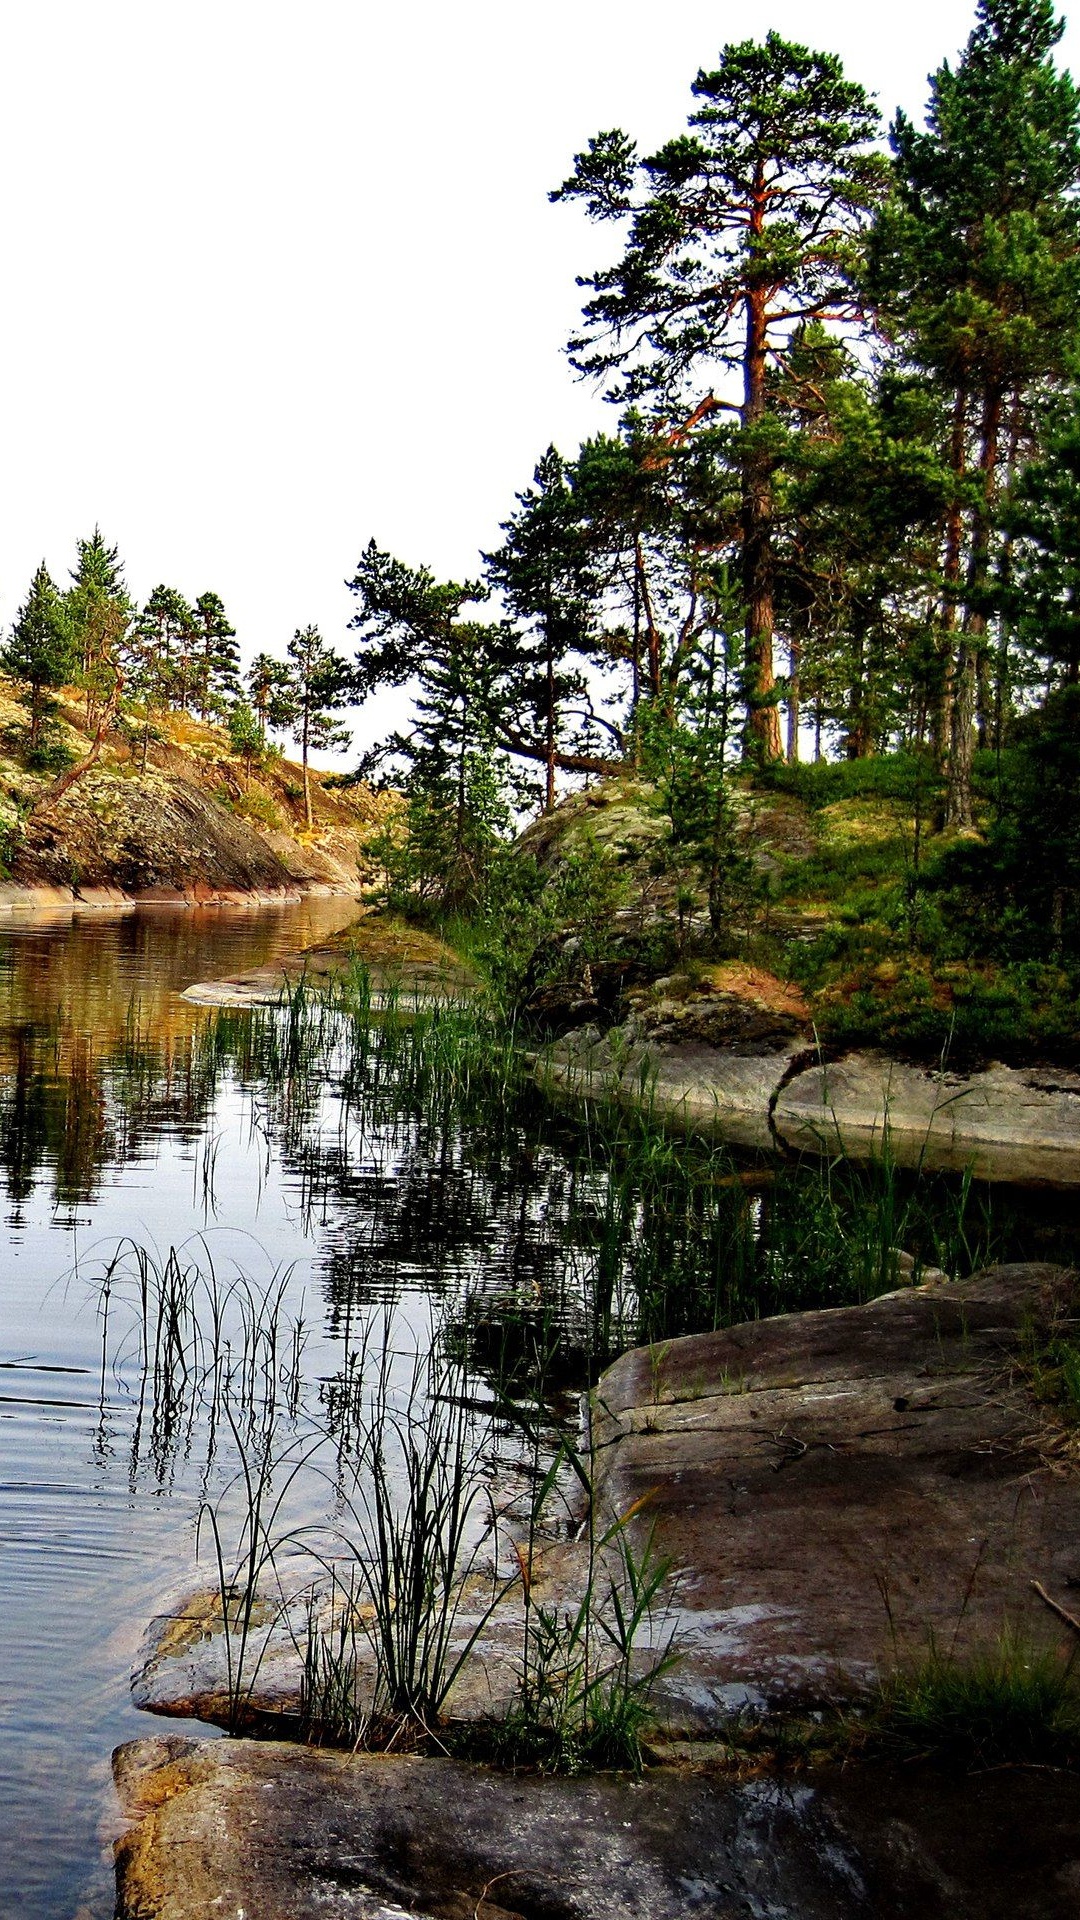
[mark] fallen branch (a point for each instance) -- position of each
(1069, 1618)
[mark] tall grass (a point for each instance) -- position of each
(416, 1539)
(625, 1233)
(193, 1344)
(1011, 1704)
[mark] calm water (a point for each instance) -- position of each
(105, 1133)
(130, 1117)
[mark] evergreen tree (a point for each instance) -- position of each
(41, 651)
(448, 762)
(154, 657)
(739, 231)
(545, 576)
(100, 612)
(246, 737)
(864, 494)
(216, 657)
(321, 685)
(268, 683)
(1039, 587)
(978, 258)
(661, 512)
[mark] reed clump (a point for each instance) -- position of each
(1011, 1704)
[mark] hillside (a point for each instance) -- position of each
(185, 821)
(838, 913)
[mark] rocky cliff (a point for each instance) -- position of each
(187, 821)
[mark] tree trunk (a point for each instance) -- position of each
(105, 718)
(792, 754)
(954, 534)
(959, 805)
(307, 781)
(549, 720)
(652, 637)
(763, 720)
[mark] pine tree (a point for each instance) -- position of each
(978, 258)
(739, 231)
(41, 651)
(447, 759)
(100, 612)
(246, 737)
(544, 573)
(216, 661)
(154, 662)
(268, 683)
(321, 685)
(1039, 587)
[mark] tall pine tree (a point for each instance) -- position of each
(739, 231)
(978, 265)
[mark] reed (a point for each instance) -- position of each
(419, 1536)
(196, 1344)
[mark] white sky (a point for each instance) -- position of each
(281, 278)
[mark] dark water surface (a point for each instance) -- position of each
(104, 1134)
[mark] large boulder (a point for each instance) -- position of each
(841, 1490)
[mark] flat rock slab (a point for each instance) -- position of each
(408, 967)
(835, 1492)
(692, 1087)
(1006, 1123)
(275, 1832)
(839, 1490)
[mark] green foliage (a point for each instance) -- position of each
(215, 657)
(100, 613)
(546, 574)
(41, 655)
(445, 849)
(1017, 895)
(246, 736)
(532, 930)
(965, 1015)
(1052, 1364)
(321, 684)
(52, 752)
(706, 849)
(1011, 1705)
(411, 1504)
(821, 783)
(586, 1679)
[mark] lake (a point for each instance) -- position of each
(280, 1163)
(104, 1135)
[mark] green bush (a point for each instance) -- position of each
(969, 1014)
(1016, 895)
(893, 776)
(1010, 1705)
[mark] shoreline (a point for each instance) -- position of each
(29, 900)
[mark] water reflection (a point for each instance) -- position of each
(96, 1044)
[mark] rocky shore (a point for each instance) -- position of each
(184, 824)
(274, 1832)
(838, 1493)
(733, 1060)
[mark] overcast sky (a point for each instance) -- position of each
(281, 278)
